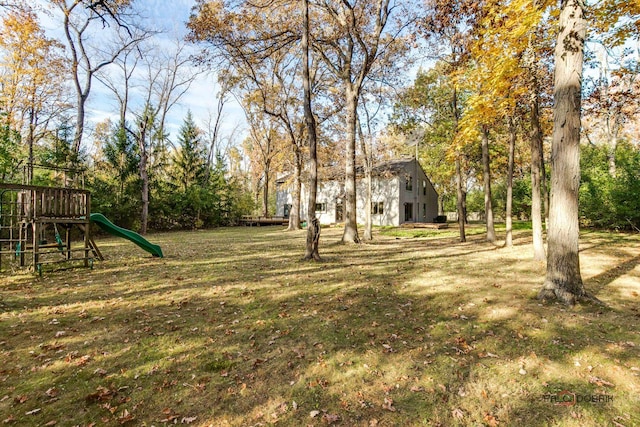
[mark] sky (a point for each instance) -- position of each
(170, 16)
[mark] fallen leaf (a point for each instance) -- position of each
(314, 414)
(101, 395)
(600, 382)
(21, 399)
(330, 418)
(125, 417)
(35, 411)
(457, 413)
(83, 360)
(100, 372)
(491, 420)
(51, 423)
(188, 420)
(388, 404)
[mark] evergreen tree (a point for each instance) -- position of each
(189, 159)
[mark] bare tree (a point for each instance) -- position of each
(352, 42)
(313, 225)
(122, 86)
(164, 84)
(79, 18)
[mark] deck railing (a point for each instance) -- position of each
(36, 202)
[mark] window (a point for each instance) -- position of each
(321, 207)
(424, 210)
(287, 210)
(408, 184)
(424, 188)
(377, 208)
(408, 211)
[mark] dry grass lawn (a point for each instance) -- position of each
(231, 328)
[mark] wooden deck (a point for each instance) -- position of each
(249, 220)
(430, 225)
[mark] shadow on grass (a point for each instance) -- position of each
(381, 334)
(599, 282)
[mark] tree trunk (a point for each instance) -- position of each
(30, 138)
(350, 234)
(294, 214)
(543, 182)
(144, 177)
(508, 242)
(460, 200)
(612, 144)
(460, 192)
(144, 173)
(536, 178)
(486, 172)
(80, 113)
(368, 227)
(368, 165)
(313, 227)
(563, 280)
(265, 193)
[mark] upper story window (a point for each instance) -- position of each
(408, 183)
(424, 188)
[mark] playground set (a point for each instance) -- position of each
(42, 225)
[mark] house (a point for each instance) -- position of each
(400, 192)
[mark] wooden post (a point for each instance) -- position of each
(35, 225)
(67, 240)
(87, 229)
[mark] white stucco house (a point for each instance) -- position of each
(401, 192)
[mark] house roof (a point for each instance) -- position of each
(385, 169)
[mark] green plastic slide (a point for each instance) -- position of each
(111, 228)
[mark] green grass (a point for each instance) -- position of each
(232, 328)
(472, 229)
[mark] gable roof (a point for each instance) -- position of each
(386, 169)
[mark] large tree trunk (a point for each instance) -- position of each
(294, 215)
(350, 234)
(512, 148)
(563, 280)
(486, 172)
(536, 178)
(313, 227)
